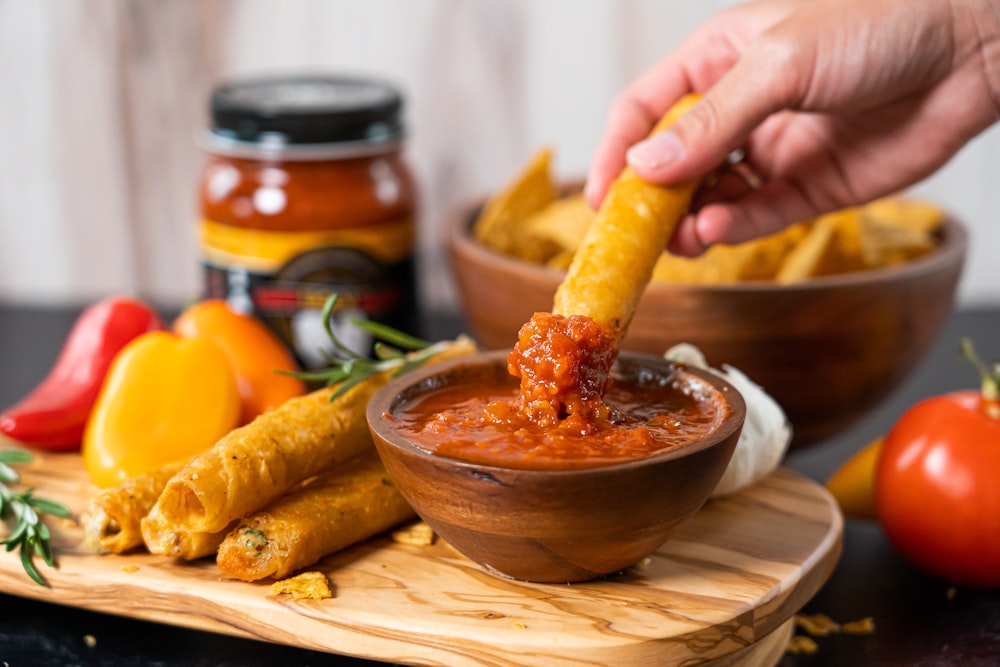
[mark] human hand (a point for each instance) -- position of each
(835, 103)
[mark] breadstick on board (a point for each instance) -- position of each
(333, 511)
(255, 464)
(163, 538)
(616, 258)
(111, 520)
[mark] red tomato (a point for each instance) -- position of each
(937, 487)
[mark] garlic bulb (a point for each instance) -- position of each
(766, 431)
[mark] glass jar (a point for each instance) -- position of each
(306, 193)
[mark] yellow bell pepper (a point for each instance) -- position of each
(853, 483)
(164, 399)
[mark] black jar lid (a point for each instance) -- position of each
(290, 111)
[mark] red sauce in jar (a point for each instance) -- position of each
(306, 194)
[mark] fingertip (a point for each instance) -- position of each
(685, 241)
(715, 224)
(760, 213)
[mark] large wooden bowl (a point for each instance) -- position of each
(554, 525)
(828, 350)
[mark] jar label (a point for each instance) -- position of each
(284, 278)
(265, 250)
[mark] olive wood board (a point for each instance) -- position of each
(722, 591)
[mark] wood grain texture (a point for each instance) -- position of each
(730, 577)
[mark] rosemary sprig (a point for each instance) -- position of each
(30, 536)
(393, 350)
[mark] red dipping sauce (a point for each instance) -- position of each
(480, 423)
(561, 407)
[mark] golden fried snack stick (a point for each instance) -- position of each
(161, 537)
(257, 463)
(615, 261)
(333, 511)
(111, 520)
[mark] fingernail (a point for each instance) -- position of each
(655, 151)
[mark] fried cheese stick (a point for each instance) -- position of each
(163, 538)
(616, 258)
(331, 512)
(111, 520)
(255, 464)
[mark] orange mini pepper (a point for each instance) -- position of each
(254, 351)
(164, 399)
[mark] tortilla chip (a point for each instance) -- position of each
(562, 224)
(719, 265)
(500, 225)
(305, 586)
(759, 259)
(896, 231)
(561, 261)
(885, 245)
(419, 534)
(803, 261)
(908, 213)
(831, 245)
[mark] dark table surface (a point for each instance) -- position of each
(920, 621)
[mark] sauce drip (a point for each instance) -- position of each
(564, 364)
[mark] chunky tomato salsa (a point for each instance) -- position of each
(569, 411)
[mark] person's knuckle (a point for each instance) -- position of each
(622, 109)
(778, 56)
(704, 119)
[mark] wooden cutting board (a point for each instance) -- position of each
(721, 592)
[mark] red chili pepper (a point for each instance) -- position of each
(53, 415)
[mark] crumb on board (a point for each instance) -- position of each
(520, 626)
(801, 644)
(130, 568)
(817, 625)
(821, 625)
(862, 626)
(419, 534)
(305, 586)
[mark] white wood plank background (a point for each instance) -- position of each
(101, 102)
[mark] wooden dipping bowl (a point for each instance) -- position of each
(553, 526)
(829, 350)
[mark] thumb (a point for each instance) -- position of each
(719, 123)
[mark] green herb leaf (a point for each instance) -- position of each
(392, 336)
(50, 507)
(8, 474)
(29, 535)
(15, 456)
(29, 566)
(394, 351)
